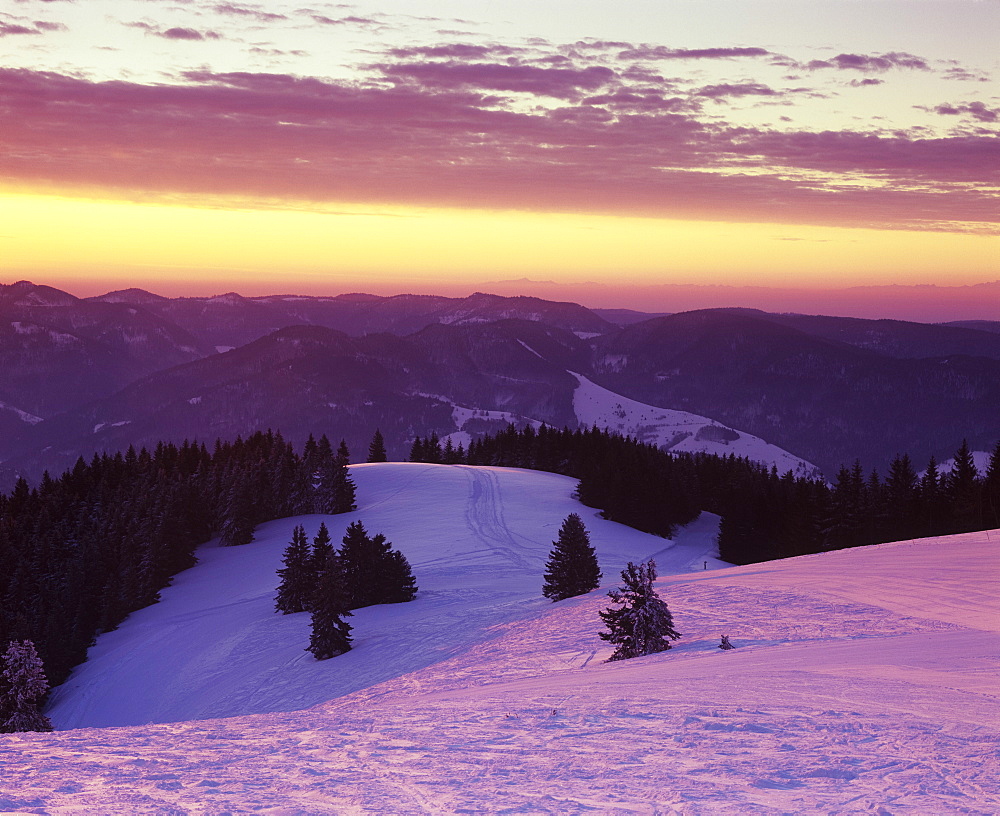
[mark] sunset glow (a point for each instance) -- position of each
(262, 147)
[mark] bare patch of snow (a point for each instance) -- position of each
(24, 416)
(529, 348)
(100, 426)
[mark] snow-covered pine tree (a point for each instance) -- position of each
(642, 625)
(376, 450)
(572, 567)
(330, 634)
(23, 686)
(297, 580)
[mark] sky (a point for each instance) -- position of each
(563, 148)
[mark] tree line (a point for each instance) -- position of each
(765, 514)
(82, 551)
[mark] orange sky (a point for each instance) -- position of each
(265, 148)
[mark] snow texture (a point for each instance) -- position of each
(863, 681)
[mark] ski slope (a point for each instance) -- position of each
(864, 681)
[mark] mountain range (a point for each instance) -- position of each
(132, 367)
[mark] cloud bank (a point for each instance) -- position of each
(496, 126)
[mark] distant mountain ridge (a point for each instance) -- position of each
(88, 374)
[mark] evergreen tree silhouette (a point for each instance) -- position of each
(572, 567)
(297, 580)
(991, 490)
(962, 489)
(330, 634)
(373, 572)
(376, 450)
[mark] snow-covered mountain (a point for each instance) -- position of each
(677, 430)
(864, 681)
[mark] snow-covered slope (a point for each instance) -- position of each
(864, 681)
(477, 539)
(677, 430)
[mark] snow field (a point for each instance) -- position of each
(477, 539)
(864, 681)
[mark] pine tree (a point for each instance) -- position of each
(417, 450)
(238, 516)
(961, 487)
(322, 549)
(991, 489)
(572, 567)
(642, 625)
(22, 688)
(376, 450)
(330, 634)
(343, 487)
(398, 583)
(373, 572)
(933, 520)
(297, 580)
(358, 566)
(902, 499)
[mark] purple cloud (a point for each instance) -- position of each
(454, 51)
(322, 19)
(442, 138)
(15, 27)
(741, 89)
(865, 62)
(659, 52)
(560, 83)
(233, 10)
(867, 82)
(977, 110)
(964, 75)
(180, 33)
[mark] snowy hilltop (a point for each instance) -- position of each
(862, 681)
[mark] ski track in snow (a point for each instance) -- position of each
(863, 682)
